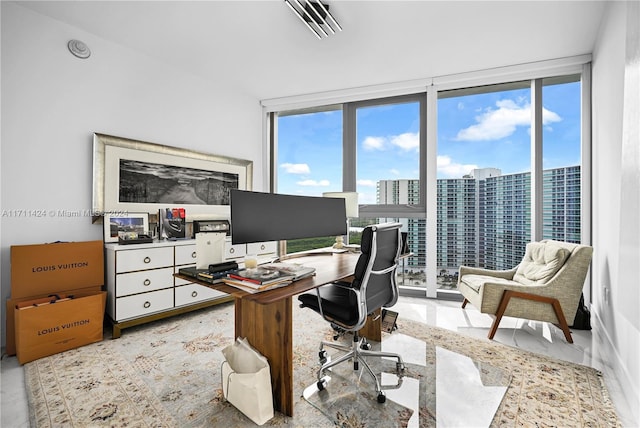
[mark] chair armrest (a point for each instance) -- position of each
(346, 284)
(506, 274)
(342, 284)
(492, 295)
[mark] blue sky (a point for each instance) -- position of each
(474, 131)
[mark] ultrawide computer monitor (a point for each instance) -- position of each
(258, 217)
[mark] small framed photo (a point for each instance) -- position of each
(118, 225)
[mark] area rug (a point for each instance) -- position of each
(167, 374)
(427, 393)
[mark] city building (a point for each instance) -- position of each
(484, 217)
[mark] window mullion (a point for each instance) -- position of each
(536, 160)
(349, 148)
(430, 192)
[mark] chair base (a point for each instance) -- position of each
(357, 352)
(504, 301)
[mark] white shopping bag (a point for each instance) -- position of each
(246, 381)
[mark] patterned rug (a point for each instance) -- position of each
(425, 394)
(167, 374)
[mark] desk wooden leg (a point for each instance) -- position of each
(372, 330)
(269, 329)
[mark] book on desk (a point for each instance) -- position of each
(267, 277)
(297, 270)
(258, 278)
(252, 288)
(262, 278)
(213, 275)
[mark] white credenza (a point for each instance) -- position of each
(141, 286)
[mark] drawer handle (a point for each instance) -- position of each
(194, 294)
(193, 255)
(147, 305)
(232, 250)
(147, 259)
(147, 282)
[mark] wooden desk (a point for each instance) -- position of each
(266, 318)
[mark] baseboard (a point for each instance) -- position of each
(629, 390)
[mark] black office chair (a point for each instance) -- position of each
(346, 305)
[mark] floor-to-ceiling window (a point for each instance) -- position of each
(496, 148)
(309, 159)
(484, 172)
(561, 159)
(484, 164)
(389, 139)
(374, 148)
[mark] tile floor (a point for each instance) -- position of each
(532, 336)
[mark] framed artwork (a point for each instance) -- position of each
(137, 176)
(116, 225)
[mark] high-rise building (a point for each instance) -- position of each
(484, 218)
(457, 222)
(507, 229)
(406, 192)
(561, 204)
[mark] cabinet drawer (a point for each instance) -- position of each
(143, 281)
(143, 304)
(259, 248)
(185, 254)
(144, 258)
(193, 293)
(234, 251)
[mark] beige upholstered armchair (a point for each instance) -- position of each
(545, 286)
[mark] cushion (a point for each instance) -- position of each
(474, 281)
(542, 260)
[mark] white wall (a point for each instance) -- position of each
(53, 102)
(616, 236)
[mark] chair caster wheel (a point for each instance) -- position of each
(321, 384)
(366, 346)
(400, 367)
(381, 397)
(322, 356)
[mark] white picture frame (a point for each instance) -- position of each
(124, 222)
(137, 176)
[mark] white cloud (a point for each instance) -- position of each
(548, 117)
(367, 183)
(502, 122)
(406, 141)
(296, 168)
(373, 143)
(313, 183)
(450, 169)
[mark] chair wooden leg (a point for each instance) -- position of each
(508, 294)
(464, 303)
(562, 320)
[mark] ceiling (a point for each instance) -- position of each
(263, 49)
